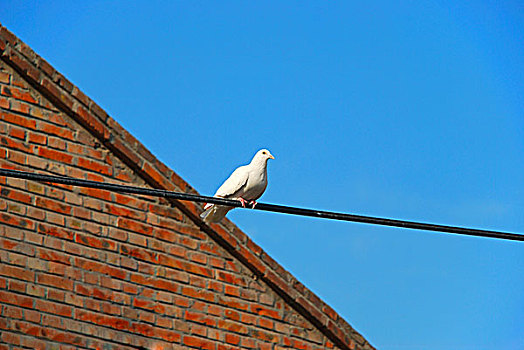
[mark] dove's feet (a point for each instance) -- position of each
(243, 201)
(253, 203)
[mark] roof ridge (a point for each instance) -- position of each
(57, 88)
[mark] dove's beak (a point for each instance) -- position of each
(271, 156)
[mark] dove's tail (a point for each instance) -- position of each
(214, 213)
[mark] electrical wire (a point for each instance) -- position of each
(261, 206)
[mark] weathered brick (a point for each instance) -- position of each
(49, 153)
(134, 226)
(17, 133)
(200, 343)
(94, 166)
(18, 120)
(15, 194)
(55, 231)
(4, 77)
(18, 94)
(4, 102)
(16, 221)
(16, 144)
(15, 299)
(20, 107)
(55, 281)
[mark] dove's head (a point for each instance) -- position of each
(262, 156)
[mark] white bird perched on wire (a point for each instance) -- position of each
(246, 184)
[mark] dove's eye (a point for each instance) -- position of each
(264, 152)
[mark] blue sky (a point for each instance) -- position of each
(410, 110)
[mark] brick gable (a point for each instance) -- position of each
(84, 268)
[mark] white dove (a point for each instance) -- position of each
(246, 184)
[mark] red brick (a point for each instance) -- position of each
(130, 201)
(17, 133)
(33, 343)
(55, 155)
(17, 221)
(157, 177)
(189, 230)
(51, 321)
(209, 247)
(198, 293)
(248, 319)
(123, 150)
(56, 295)
(199, 258)
(10, 338)
(4, 102)
(98, 267)
(139, 253)
(32, 316)
(143, 329)
(18, 286)
(134, 226)
(80, 96)
(94, 242)
(263, 311)
(166, 235)
(8, 36)
(110, 321)
(184, 265)
(12, 312)
(15, 299)
(232, 326)
(232, 315)
(16, 144)
(94, 166)
(56, 143)
(168, 335)
(46, 67)
(216, 262)
(18, 120)
(52, 129)
(34, 290)
(20, 107)
(232, 339)
(124, 212)
(53, 308)
(57, 94)
(230, 278)
(24, 65)
(266, 323)
(265, 336)
(233, 303)
(53, 205)
(91, 122)
(55, 231)
(17, 157)
(63, 82)
(200, 343)
(15, 195)
(55, 281)
(18, 94)
(4, 77)
(248, 343)
(200, 318)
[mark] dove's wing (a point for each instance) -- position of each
(235, 185)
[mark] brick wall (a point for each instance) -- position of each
(84, 268)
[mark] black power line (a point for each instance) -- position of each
(261, 206)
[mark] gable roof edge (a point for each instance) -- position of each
(72, 101)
